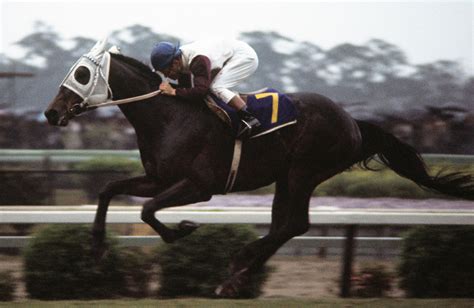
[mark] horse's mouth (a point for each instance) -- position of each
(63, 121)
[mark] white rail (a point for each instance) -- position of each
(53, 214)
(28, 155)
(131, 215)
(349, 219)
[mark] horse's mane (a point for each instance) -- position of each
(142, 68)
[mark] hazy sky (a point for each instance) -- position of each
(425, 30)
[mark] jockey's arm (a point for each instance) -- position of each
(201, 70)
(184, 81)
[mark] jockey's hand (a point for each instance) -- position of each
(167, 89)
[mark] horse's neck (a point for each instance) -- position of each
(158, 113)
(144, 115)
(137, 113)
(151, 115)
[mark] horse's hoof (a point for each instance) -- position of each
(226, 290)
(231, 287)
(99, 253)
(186, 227)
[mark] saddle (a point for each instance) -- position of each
(273, 109)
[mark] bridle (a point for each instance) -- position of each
(92, 97)
(81, 107)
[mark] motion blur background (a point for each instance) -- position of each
(406, 65)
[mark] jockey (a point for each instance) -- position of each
(208, 66)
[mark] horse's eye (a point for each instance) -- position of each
(82, 75)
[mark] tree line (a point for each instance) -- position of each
(376, 73)
(374, 80)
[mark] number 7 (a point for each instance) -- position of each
(274, 104)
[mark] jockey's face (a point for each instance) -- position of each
(173, 70)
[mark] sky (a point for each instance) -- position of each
(425, 30)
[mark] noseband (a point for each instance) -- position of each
(99, 93)
(76, 110)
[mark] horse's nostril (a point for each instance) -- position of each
(52, 116)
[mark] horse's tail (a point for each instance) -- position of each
(407, 162)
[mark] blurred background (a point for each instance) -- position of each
(406, 65)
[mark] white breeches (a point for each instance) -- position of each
(241, 65)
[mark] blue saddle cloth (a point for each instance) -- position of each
(273, 109)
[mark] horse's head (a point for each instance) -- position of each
(84, 86)
(88, 86)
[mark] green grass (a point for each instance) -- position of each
(359, 183)
(274, 303)
(355, 183)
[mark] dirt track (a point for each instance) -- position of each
(296, 277)
(311, 277)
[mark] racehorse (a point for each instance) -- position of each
(186, 152)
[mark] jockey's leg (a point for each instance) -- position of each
(237, 103)
(242, 65)
(249, 122)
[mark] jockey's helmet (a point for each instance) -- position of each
(163, 54)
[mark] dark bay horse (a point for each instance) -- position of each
(186, 152)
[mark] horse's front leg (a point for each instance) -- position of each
(142, 186)
(181, 193)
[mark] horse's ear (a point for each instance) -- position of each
(99, 47)
(114, 49)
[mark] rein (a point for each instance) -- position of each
(125, 100)
(77, 109)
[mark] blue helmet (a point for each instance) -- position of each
(163, 54)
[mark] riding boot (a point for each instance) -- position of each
(249, 123)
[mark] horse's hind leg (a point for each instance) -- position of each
(289, 218)
(279, 215)
(181, 193)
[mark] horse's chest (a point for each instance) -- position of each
(168, 164)
(150, 168)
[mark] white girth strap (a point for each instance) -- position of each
(234, 167)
